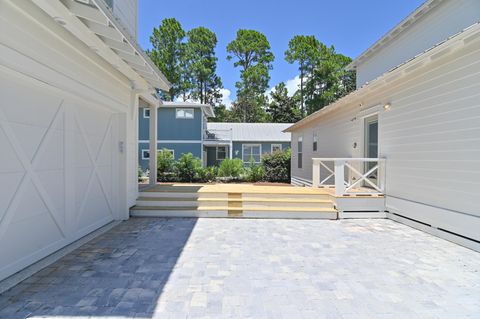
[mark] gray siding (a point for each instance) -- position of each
(448, 18)
(430, 137)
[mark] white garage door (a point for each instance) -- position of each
(58, 159)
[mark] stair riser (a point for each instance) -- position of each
(243, 214)
(287, 196)
(273, 205)
(168, 195)
(153, 203)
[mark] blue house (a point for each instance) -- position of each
(183, 128)
(243, 140)
(180, 129)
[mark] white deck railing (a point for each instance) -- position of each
(358, 176)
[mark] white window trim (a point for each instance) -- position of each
(278, 145)
(300, 139)
(243, 148)
(184, 117)
(216, 153)
(145, 116)
(143, 155)
(168, 149)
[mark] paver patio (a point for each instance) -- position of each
(227, 268)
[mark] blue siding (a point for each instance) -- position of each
(266, 147)
(237, 150)
(171, 128)
(178, 148)
(143, 126)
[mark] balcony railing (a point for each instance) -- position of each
(359, 176)
(218, 135)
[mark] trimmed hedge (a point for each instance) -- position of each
(277, 166)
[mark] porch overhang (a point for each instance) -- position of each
(93, 23)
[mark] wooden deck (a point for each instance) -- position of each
(248, 201)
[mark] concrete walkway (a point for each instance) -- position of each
(228, 268)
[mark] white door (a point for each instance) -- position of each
(58, 161)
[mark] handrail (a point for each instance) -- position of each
(350, 178)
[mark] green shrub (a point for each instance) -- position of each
(207, 174)
(187, 167)
(231, 168)
(165, 166)
(255, 172)
(277, 166)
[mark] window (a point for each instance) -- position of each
(315, 141)
(187, 114)
(251, 151)
(146, 154)
(300, 152)
(221, 153)
(276, 148)
(146, 113)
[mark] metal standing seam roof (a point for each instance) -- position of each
(255, 132)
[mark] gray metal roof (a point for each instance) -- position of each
(255, 132)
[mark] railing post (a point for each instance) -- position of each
(316, 174)
(339, 177)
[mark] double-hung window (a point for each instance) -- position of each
(221, 153)
(185, 114)
(251, 151)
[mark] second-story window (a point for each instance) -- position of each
(146, 113)
(186, 114)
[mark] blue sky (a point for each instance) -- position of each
(350, 25)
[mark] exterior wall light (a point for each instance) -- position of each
(387, 106)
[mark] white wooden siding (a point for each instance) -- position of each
(63, 113)
(126, 11)
(445, 20)
(430, 137)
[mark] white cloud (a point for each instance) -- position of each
(226, 99)
(292, 86)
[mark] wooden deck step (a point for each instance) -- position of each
(274, 200)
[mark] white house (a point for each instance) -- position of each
(417, 106)
(71, 79)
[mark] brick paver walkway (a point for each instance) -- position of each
(227, 268)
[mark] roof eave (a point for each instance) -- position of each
(465, 36)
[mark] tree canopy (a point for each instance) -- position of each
(252, 54)
(189, 61)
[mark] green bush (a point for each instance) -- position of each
(231, 168)
(207, 174)
(165, 166)
(255, 172)
(277, 166)
(187, 167)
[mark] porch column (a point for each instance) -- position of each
(153, 144)
(339, 177)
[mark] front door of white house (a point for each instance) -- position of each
(371, 144)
